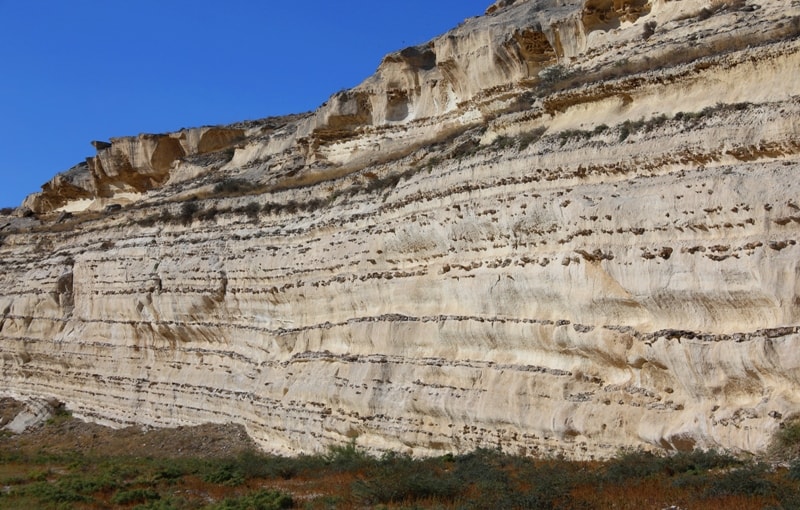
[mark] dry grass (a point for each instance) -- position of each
(67, 463)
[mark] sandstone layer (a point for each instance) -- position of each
(561, 228)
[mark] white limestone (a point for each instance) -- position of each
(462, 251)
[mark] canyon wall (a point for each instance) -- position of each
(561, 228)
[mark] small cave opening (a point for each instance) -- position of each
(397, 105)
(417, 58)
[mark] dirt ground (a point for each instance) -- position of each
(64, 433)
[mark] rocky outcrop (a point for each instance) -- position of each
(556, 230)
(129, 166)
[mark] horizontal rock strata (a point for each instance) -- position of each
(554, 230)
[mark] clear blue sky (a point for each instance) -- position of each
(81, 70)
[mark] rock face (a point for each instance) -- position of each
(129, 165)
(561, 228)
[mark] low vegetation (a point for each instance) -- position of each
(233, 186)
(346, 477)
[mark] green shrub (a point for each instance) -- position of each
(327, 502)
(165, 504)
(632, 466)
(347, 457)
(400, 478)
(39, 475)
(786, 441)
(53, 493)
(225, 474)
(253, 465)
(85, 484)
(260, 500)
(57, 419)
(794, 470)
(746, 481)
(171, 472)
(127, 497)
(249, 465)
(697, 461)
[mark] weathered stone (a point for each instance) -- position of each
(528, 233)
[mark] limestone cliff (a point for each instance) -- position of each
(564, 227)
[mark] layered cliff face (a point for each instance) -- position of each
(561, 228)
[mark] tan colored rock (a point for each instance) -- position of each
(528, 234)
(129, 165)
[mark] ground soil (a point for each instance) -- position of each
(64, 433)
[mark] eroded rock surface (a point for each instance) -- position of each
(561, 228)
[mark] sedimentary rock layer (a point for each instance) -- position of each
(554, 230)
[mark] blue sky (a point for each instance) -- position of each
(82, 70)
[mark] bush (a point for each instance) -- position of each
(164, 504)
(147, 221)
(47, 492)
(249, 465)
(127, 497)
(698, 461)
(37, 475)
(704, 14)
(570, 134)
(632, 466)
(347, 457)
(231, 186)
(554, 74)
(503, 142)
(786, 441)
(400, 478)
(251, 210)
(188, 210)
(746, 481)
(208, 214)
(484, 473)
(252, 465)
(433, 162)
(88, 485)
(649, 30)
(466, 149)
(226, 474)
(794, 470)
(291, 207)
(525, 139)
(260, 500)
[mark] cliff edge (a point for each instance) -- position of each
(564, 227)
